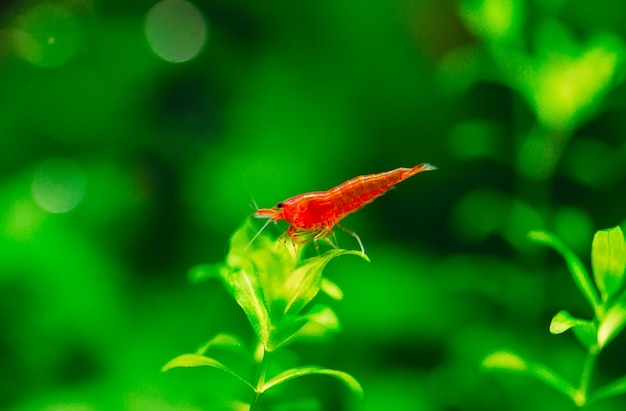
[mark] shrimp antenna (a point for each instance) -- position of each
(258, 233)
(254, 204)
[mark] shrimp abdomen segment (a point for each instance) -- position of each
(359, 191)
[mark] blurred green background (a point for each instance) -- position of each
(134, 136)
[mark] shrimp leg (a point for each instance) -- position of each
(325, 235)
(304, 236)
(353, 234)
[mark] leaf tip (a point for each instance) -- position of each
(561, 322)
(168, 366)
(539, 236)
(504, 360)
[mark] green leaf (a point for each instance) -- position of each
(195, 360)
(305, 282)
(271, 283)
(504, 360)
(331, 289)
(585, 330)
(612, 323)
(508, 361)
(562, 322)
(285, 376)
(577, 269)
(249, 298)
(321, 320)
(224, 341)
(608, 259)
(318, 322)
(269, 261)
(613, 389)
(241, 241)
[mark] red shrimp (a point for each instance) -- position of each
(313, 216)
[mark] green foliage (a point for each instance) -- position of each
(274, 286)
(608, 259)
(521, 101)
(577, 269)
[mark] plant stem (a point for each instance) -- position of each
(585, 378)
(260, 382)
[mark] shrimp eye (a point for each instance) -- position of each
(279, 205)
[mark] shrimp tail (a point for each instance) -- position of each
(417, 169)
(359, 191)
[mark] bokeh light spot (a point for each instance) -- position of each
(58, 185)
(47, 35)
(176, 30)
(23, 218)
(492, 19)
(564, 85)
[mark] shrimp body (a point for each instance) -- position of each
(314, 215)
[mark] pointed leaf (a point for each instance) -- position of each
(318, 322)
(551, 378)
(191, 360)
(195, 360)
(321, 319)
(241, 240)
(305, 282)
(612, 323)
(505, 360)
(562, 322)
(577, 269)
(284, 332)
(303, 285)
(608, 259)
(285, 376)
(270, 262)
(331, 289)
(249, 299)
(222, 340)
(585, 330)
